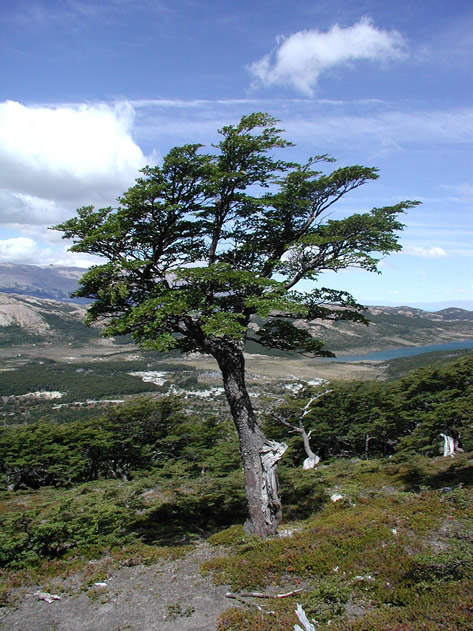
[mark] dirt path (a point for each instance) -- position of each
(166, 596)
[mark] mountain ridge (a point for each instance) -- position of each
(26, 319)
(36, 308)
(55, 282)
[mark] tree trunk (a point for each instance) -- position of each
(258, 454)
(312, 459)
(448, 446)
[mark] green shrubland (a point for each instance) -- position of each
(141, 481)
(386, 418)
(140, 435)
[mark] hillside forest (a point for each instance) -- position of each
(141, 481)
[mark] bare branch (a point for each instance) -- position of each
(261, 595)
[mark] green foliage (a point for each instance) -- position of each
(195, 506)
(388, 559)
(372, 564)
(141, 434)
(446, 566)
(153, 509)
(14, 335)
(51, 530)
(301, 495)
(396, 368)
(251, 218)
(78, 382)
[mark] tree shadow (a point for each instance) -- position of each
(181, 522)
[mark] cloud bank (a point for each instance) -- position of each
(299, 60)
(56, 158)
(66, 147)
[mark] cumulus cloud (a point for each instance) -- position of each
(429, 253)
(56, 158)
(67, 153)
(299, 59)
(18, 249)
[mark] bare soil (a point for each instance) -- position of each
(168, 596)
(299, 367)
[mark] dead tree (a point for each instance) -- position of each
(312, 459)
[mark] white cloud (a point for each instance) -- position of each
(68, 154)
(19, 249)
(429, 253)
(54, 159)
(27, 250)
(301, 58)
(16, 208)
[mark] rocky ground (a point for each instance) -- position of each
(168, 596)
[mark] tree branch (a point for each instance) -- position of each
(261, 595)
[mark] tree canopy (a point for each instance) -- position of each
(206, 240)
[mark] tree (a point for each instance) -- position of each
(288, 419)
(204, 243)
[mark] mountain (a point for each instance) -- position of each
(396, 327)
(35, 307)
(40, 321)
(51, 281)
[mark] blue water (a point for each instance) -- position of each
(393, 353)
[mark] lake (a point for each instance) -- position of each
(408, 351)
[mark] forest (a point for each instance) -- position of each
(360, 419)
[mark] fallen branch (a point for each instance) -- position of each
(236, 597)
(260, 595)
(49, 598)
(243, 595)
(308, 626)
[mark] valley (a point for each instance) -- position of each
(45, 347)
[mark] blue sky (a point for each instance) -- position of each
(91, 91)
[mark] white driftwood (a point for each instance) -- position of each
(310, 463)
(271, 454)
(308, 626)
(312, 459)
(243, 595)
(262, 595)
(448, 446)
(49, 598)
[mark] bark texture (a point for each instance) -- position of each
(259, 455)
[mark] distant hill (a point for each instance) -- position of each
(31, 320)
(396, 327)
(35, 306)
(52, 281)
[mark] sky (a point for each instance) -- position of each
(93, 90)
